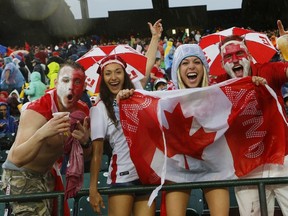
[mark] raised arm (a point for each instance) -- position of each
(156, 32)
(282, 32)
(281, 28)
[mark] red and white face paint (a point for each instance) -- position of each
(70, 86)
(235, 59)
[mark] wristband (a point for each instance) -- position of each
(87, 145)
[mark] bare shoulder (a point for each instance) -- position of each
(30, 122)
(31, 118)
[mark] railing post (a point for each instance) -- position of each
(60, 204)
(262, 197)
(75, 206)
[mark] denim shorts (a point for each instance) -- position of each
(132, 183)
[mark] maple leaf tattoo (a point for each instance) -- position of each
(178, 139)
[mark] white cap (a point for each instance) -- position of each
(160, 80)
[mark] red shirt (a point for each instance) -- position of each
(157, 72)
(273, 72)
(44, 105)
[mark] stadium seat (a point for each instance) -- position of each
(86, 181)
(234, 210)
(3, 155)
(84, 208)
(195, 204)
(233, 200)
(1, 169)
(191, 212)
(102, 179)
(71, 205)
(2, 208)
(105, 163)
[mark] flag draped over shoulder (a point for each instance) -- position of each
(212, 133)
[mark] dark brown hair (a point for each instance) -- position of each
(108, 98)
(72, 64)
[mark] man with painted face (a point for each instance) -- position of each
(44, 128)
(237, 62)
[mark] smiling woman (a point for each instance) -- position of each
(106, 125)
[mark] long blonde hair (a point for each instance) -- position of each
(182, 52)
(204, 83)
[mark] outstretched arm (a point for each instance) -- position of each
(282, 32)
(156, 32)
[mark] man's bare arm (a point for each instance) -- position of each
(32, 132)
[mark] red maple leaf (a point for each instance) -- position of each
(178, 140)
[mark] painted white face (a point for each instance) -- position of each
(70, 86)
(233, 73)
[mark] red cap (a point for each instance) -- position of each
(111, 59)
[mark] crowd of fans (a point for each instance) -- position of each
(32, 69)
(28, 72)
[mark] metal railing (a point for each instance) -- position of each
(260, 182)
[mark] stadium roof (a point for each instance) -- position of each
(100, 8)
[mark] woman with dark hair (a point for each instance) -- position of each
(105, 124)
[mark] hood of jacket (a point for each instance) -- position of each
(35, 76)
(54, 68)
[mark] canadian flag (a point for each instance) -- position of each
(218, 132)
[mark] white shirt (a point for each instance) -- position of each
(121, 168)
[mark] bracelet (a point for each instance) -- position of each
(88, 144)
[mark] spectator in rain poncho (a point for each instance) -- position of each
(54, 68)
(37, 66)
(8, 123)
(11, 77)
(36, 88)
(169, 50)
(14, 101)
